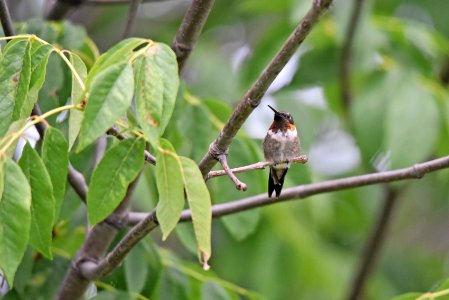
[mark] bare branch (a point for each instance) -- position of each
(96, 244)
(257, 166)
(374, 244)
(77, 181)
(147, 222)
(190, 29)
(100, 148)
(223, 158)
(346, 54)
(132, 14)
(253, 97)
(5, 18)
(61, 8)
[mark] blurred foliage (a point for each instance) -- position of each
(299, 250)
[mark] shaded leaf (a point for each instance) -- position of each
(15, 68)
(76, 116)
(110, 97)
(136, 269)
(213, 291)
(43, 202)
(15, 219)
(119, 167)
(56, 159)
(200, 204)
(170, 187)
(415, 107)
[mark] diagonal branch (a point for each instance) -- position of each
(132, 15)
(346, 54)
(147, 222)
(190, 29)
(374, 244)
(5, 18)
(253, 97)
(61, 8)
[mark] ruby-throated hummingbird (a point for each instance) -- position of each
(281, 145)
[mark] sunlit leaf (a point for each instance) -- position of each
(56, 159)
(157, 85)
(15, 219)
(43, 202)
(110, 97)
(119, 167)
(170, 187)
(76, 116)
(15, 72)
(199, 201)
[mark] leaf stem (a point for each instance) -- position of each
(35, 120)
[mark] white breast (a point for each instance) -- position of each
(283, 138)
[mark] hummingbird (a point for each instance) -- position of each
(281, 144)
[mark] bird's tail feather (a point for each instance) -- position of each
(276, 181)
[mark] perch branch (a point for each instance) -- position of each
(190, 29)
(147, 222)
(253, 97)
(374, 244)
(346, 54)
(223, 158)
(259, 165)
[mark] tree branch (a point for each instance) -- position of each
(190, 29)
(78, 183)
(259, 165)
(253, 97)
(374, 244)
(223, 159)
(147, 222)
(60, 8)
(131, 20)
(5, 18)
(96, 244)
(346, 54)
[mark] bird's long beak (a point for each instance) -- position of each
(275, 111)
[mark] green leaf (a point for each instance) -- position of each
(15, 219)
(157, 84)
(213, 291)
(110, 97)
(15, 68)
(119, 167)
(200, 204)
(76, 116)
(170, 187)
(136, 269)
(39, 60)
(42, 204)
(120, 53)
(412, 124)
(56, 159)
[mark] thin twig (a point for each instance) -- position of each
(374, 245)
(132, 15)
(190, 29)
(223, 159)
(253, 97)
(148, 221)
(5, 18)
(346, 54)
(257, 166)
(148, 156)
